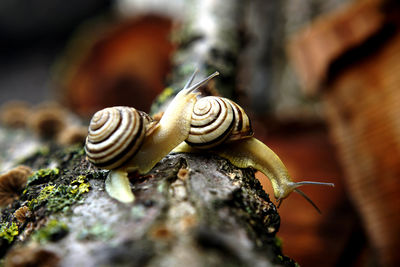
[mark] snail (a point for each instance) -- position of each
(221, 126)
(123, 139)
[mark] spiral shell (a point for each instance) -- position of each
(215, 120)
(242, 128)
(115, 135)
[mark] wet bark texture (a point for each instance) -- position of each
(190, 210)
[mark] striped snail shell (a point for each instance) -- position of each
(216, 120)
(115, 135)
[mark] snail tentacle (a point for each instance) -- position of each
(251, 152)
(187, 90)
(222, 126)
(301, 193)
(121, 139)
(189, 82)
(173, 129)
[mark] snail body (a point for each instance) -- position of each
(171, 130)
(228, 133)
(122, 139)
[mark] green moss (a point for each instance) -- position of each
(66, 195)
(45, 193)
(47, 172)
(61, 197)
(74, 151)
(53, 231)
(43, 176)
(101, 174)
(8, 232)
(81, 151)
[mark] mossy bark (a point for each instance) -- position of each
(190, 210)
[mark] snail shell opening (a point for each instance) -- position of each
(115, 135)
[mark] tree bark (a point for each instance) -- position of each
(190, 210)
(209, 40)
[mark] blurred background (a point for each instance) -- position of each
(320, 80)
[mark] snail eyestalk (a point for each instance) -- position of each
(250, 152)
(199, 84)
(279, 203)
(123, 139)
(297, 184)
(189, 82)
(222, 126)
(172, 129)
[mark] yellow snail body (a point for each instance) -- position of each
(122, 139)
(221, 126)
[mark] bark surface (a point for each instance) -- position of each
(190, 210)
